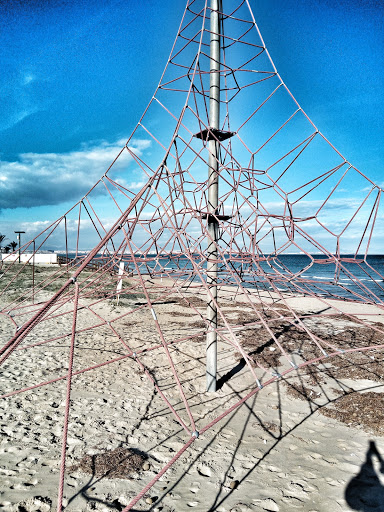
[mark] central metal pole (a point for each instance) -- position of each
(213, 195)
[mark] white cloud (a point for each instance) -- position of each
(17, 116)
(134, 185)
(18, 100)
(37, 179)
(28, 78)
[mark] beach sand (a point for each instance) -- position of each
(310, 440)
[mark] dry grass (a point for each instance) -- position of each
(191, 301)
(367, 364)
(362, 410)
(300, 391)
(118, 463)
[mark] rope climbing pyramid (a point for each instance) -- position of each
(212, 282)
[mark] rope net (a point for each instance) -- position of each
(295, 220)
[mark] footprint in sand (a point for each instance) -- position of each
(241, 507)
(274, 469)
(269, 504)
(204, 470)
(42, 504)
(195, 487)
(296, 491)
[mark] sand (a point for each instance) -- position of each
(310, 440)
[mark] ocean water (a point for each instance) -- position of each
(349, 277)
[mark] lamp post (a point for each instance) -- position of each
(19, 239)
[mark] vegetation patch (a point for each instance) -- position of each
(362, 410)
(118, 463)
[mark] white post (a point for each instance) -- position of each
(119, 281)
(213, 195)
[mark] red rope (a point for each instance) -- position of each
(159, 475)
(67, 402)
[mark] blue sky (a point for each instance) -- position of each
(77, 76)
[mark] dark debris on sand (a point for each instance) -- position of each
(367, 364)
(118, 463)
(364, 410)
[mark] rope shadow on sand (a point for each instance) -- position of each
(277, 438)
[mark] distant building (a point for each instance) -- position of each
(37, 258)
